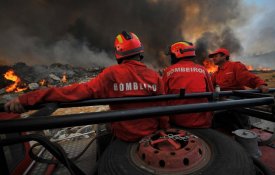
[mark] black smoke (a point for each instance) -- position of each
(212, 41)
(82, 32)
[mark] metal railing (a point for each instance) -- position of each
(42, 119)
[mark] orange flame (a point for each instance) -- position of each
(249, 67)
(42, 82)
(64, 78)
(210, 66)
(260, 68)
(10, 75)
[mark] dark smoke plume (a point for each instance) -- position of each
(212, 41)
(82, 32)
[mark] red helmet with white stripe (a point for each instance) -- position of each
(127, 44)
(182, 49)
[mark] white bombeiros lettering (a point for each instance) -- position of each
(185, 69)
(129, 86)
(141, 86)
(115, 87)
(121, 87)
(135, 85)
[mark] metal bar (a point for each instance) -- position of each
(154, 98)
(245, 94)
(134, 99)
(256, 113)
(48, 122)
(143, 99)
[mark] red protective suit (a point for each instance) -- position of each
(193, 78)
(235, 76)
(130, 78)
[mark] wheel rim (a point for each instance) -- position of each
(170, 152)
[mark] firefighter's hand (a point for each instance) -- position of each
(263, 88)
(15, 106)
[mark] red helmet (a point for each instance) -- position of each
(220, 50)
(182, 49)
(127, 44)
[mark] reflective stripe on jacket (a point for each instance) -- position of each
(130, 78)
(193, 78)
(235, 76)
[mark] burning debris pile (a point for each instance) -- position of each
(21, 77)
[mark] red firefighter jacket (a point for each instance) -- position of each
(235, 76)
(130, 78)
(193, 78)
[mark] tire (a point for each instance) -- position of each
(104, 139)
(228, 157)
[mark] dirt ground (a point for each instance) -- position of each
(269, 78)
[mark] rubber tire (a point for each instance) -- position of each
(228, 157)
(103, 141)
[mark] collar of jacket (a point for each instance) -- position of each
(134, 62)
(183, 61)
(225, 65)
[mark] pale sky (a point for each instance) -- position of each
(258, 34)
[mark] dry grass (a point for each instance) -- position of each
(74, 110)
(79, 110)
(268, 77)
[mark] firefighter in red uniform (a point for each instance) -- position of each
(233, 76)
(129, 78)
(185, 74)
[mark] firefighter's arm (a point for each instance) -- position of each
(63, 94)
(246, 78)
(91, 89)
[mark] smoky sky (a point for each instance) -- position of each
(82, 32)
(212, 41)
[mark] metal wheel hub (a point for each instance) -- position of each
(171, 151)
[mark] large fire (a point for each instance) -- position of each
(249, 67)
(210, 66)
(260, 68)
(10, 75)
